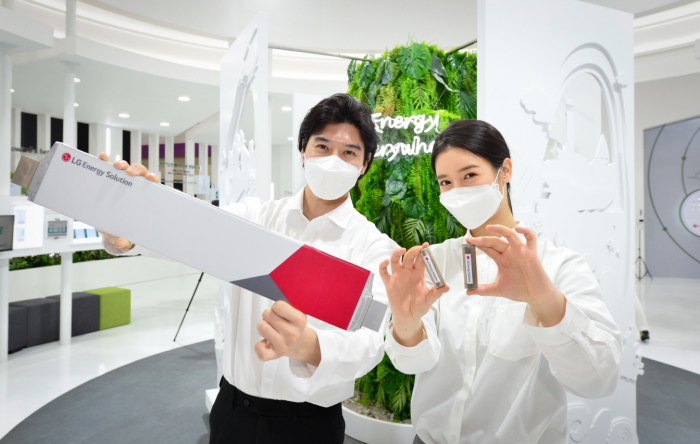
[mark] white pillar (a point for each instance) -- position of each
(5, 124)
(16, 131)
(69, 125)
(169, 161)
(66, 310)
(204, 167)
(71, 18)
(97, 141)
(136, 147)
(108, 144)
(204, 159)
(189, 175)
(16, 138)
(93, 140)
(43, 133)
(153, 154)
(215, 166)
(4, 308)
(114, 143)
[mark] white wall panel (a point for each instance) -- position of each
(534, 57)
(301, 104)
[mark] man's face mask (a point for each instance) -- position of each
(330, 177)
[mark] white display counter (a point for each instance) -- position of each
(32, 238)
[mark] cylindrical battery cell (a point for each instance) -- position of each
(431, 266)
(469, 258)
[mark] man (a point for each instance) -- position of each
(285, 375)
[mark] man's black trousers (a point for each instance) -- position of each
(243, 419)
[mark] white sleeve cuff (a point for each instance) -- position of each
(329, 360)
(111, 249)
(402, 350)
(573, 322)
(412, 360)
(301, 369)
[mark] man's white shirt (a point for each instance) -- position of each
(343, 233)
(488, 372)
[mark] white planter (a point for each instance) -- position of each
(373, 431)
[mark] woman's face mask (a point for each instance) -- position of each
(473, 206)
(330, 177)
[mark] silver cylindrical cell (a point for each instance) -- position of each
(431, 266)
(469, 258)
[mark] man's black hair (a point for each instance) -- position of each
(341, 108)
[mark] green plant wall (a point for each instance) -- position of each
(400, 195)
(45, 260)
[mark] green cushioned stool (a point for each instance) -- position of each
(115, 306)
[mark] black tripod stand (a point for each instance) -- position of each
(639, 263)
(188, 306)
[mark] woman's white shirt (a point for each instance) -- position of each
(345, 356)
(488, 372)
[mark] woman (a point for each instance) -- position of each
(493, 364)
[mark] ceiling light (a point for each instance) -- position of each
(290, 138)
(76, 80)
(164, 124)
(76, 105)
(183, 99)
(12, 90)
(286, 108)
(124, 115)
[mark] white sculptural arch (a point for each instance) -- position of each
(244, 165)
(582, 203)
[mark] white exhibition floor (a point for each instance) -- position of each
(672, 308)
(35, 376)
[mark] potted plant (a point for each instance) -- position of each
(415, 91)
(380, 411)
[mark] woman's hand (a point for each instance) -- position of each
(409, 297)
(134, 170)
(521, 276)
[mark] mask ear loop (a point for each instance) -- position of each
(496, 179)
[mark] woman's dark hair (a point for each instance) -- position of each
(477, 137)
(341, 108)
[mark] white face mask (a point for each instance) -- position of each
(473, 206)
(330, 177)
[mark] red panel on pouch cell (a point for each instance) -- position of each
(305, 278)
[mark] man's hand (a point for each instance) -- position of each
(134, 170)
(521, 276)
(285, 333)
(409, 297)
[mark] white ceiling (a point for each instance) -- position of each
(363, 26)
(349, 26)
(105, 91)
(640, 7)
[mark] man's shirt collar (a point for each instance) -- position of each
(340, 216)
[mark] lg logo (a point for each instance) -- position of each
(65, 157)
